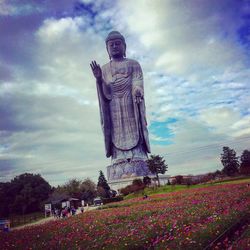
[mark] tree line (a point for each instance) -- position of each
(28, 193)
(233, 164)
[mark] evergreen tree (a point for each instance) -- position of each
(230, 161)
(103, 187)
(157, 165)
(245, 162)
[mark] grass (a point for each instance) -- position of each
(174, 188)
(19, 220)
(186, 219)
(151, 191)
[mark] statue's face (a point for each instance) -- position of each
(116, 48)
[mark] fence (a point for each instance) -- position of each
(18, 220)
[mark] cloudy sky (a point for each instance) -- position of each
(195, 57)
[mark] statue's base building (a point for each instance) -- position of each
(123, 173)
(127, 169)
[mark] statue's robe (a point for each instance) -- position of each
(123, 120)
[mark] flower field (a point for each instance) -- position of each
(188, 219)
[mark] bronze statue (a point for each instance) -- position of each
(122, 110)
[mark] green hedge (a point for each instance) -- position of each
(113, 199)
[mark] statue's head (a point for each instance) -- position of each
(115, 44)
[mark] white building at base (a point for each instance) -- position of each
(122, 183)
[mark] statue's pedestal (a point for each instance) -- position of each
(123, 173)
(127, 169)
(122, 183)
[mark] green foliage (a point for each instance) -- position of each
(179, 179)
(170, 188)
(146, 180)
(85, 190)
(19, 220)
(136, 186)
(137, 182)
(24, 194)
(157, 165)
(103, 187)
(6, 199)
(230, 161)
(112, 199)
(245, 162)
(158, 190)
(88, 190)
(72, 188)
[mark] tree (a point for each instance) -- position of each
(56, 197)
(5, 199)
(245, 162)
(230, 161)
(88, 190)
(146, 180)
(85, 190)
(217, 173)
(72, 188)
(103, 187)
(157, 165)
(28, 191)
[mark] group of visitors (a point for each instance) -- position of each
(66, 212)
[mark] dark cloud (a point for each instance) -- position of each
(55, 9)
(26, 112)
(7, 166)
(17, 31)
(14, 111)
(17, 38)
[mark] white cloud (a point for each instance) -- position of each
(221, 119)
(226, 121)
(7, 9)
(186, 37)
(196, 147)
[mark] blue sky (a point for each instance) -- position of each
(195, 58)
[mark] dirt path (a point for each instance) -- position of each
(39, 222)
(48, 219)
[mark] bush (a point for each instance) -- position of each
(146, 180)
(136, 185)
(179, 179)
(112, 199)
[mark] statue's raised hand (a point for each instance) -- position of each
(96, 69)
